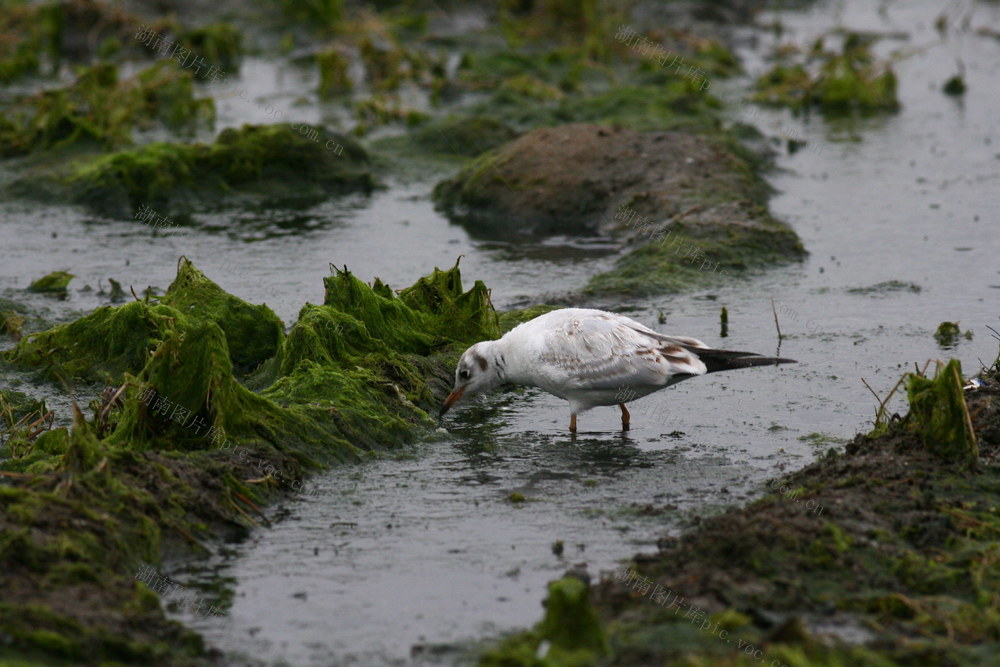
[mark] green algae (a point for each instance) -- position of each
(571, 632)
(22, 419)
(585, 25)
(54, 283)
(511, 318)
(79, 530)
(101, 109)
(677, 104)
(334, 78)
(322, 15)
(188, 449)
(955, 86)
(219, 44)
(253, 333)
(104, 344)
(30, 38)
(684, 261)
(938, 412)
(837, 83)
(14, 405)
(279, 162)
(948, 334)
(469, 136)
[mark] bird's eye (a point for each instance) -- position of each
(464, 374)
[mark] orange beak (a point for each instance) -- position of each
(450, 401)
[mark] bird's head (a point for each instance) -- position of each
(478, 371)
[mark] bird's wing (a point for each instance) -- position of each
(607, 351)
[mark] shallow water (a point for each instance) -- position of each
(412, 559)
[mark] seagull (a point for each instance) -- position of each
(589, 358)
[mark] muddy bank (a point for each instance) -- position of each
(884, 553)
(176, 451)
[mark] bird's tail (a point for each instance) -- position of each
(727, 360)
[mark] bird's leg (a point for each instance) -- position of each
(572, 423)
(625, 416)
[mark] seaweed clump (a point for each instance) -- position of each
(282, 164)
(836, 83)
(570, 634)
(939, 415)
(180, 451)
(54, 283)
(101, 109)
(31, 35)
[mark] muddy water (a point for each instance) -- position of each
(412, 559)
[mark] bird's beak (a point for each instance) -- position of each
(450, 401)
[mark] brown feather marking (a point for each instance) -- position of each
(678, 359)
(482, 363)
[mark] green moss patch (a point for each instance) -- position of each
(570, 634)
(693, 208)
(463, 136)
(180, 451)
(851, 80)
(101, 110)
(253, 333)
(102, 345)
(280, 164)
(54, 283)
(30, 33)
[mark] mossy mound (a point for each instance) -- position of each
(463, 136)
(102, 110)
(939, 415)
(674, 104)
(885, 554)
(100, 346)
(30, 33)
(693, 206)
(367, 348)
(253, 333)
(836, 83)
(54, 283)
(182, 450)
(571, 631)
(281, 164)
(219, 44)
(363, 368)
(79, 532)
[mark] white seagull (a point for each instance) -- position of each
(590, 358)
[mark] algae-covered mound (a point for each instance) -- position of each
(835, 82)
(106, 343)
(939, 416)
(182, 450)
(571, 632)
(253, 333)
(101, 109)
(54, 283)
(688, 201)
(884, 554)
(463, 136)
(359, 371)
(282, 164)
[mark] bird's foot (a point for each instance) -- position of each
(626, 417)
